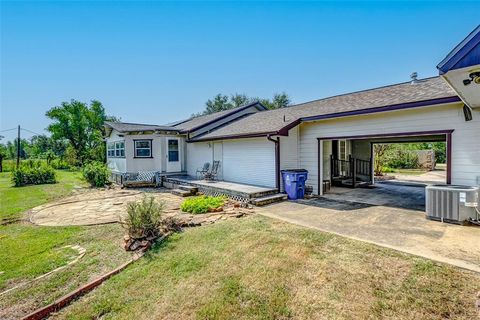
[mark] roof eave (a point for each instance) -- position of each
(235, 136)
(460, 51)
(401, 106)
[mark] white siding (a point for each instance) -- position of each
(218, 155)
(249, 161)
(465, 139)
(197, 154)
(289, 148)
(132, 164)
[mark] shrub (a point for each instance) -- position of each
(202, 204)
(31, 173)
(144, 218)
(402, 159)
(60, 164)
(97, 174)
(387, 170)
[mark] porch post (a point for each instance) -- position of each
(372, 164)
(449, 158)
(320, 167)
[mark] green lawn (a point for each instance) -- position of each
(14, 201)
(28, 251)
(257, 268)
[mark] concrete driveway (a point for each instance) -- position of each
(388, 193)
(400, 229)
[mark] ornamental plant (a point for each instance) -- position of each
(202, 204)
(97, 174)
(33, 174)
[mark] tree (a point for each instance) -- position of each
(82, 126)
(381, 158)
(280, 100)
(223, 102)
(3, 154)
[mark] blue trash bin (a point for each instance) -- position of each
(294, 183)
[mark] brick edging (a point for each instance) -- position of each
(61, 303)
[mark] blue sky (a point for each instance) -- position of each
(156, 62)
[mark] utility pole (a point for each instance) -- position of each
(18, 147)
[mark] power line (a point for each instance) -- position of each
(9, 129)
(39, 134)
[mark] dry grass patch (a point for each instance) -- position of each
(103, 253)
(257, 268)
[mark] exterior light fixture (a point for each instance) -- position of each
(472, 77)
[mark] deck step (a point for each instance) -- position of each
(262, 201)
(192, 189)
(181, 193)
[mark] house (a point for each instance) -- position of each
(332, 137)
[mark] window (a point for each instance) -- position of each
(173, 150)
(111, 149)
(120, 149)
(116, 149)
(143, 148)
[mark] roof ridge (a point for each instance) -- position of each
(142, 124)
(360, 91)
(210, 114)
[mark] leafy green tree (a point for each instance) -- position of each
(11, 149)
(3, 154)
(280, 100)
(223, 102)
(82, 126)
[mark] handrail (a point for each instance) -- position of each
(350, 168)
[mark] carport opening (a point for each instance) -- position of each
(384, 170)
(411, 162)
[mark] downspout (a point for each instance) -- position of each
(277, 160)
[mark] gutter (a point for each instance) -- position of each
(277, 160)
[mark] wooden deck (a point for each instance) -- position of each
(237, 191)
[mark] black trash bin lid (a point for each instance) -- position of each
(295, 170)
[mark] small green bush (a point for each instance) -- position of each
(31, 173)
(60, 164)
(144, 218)
(97, 174)
(202, 204)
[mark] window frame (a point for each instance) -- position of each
(177, 151)
(113, 149)
(150, 148)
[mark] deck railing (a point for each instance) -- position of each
(350, 169)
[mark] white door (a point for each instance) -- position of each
(173, 155)
(249, 161)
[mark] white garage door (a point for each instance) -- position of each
(250, 161)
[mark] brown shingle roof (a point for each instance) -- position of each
(274, 120)
(134, 127)
(197, 122)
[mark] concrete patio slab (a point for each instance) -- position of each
(400, 229)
